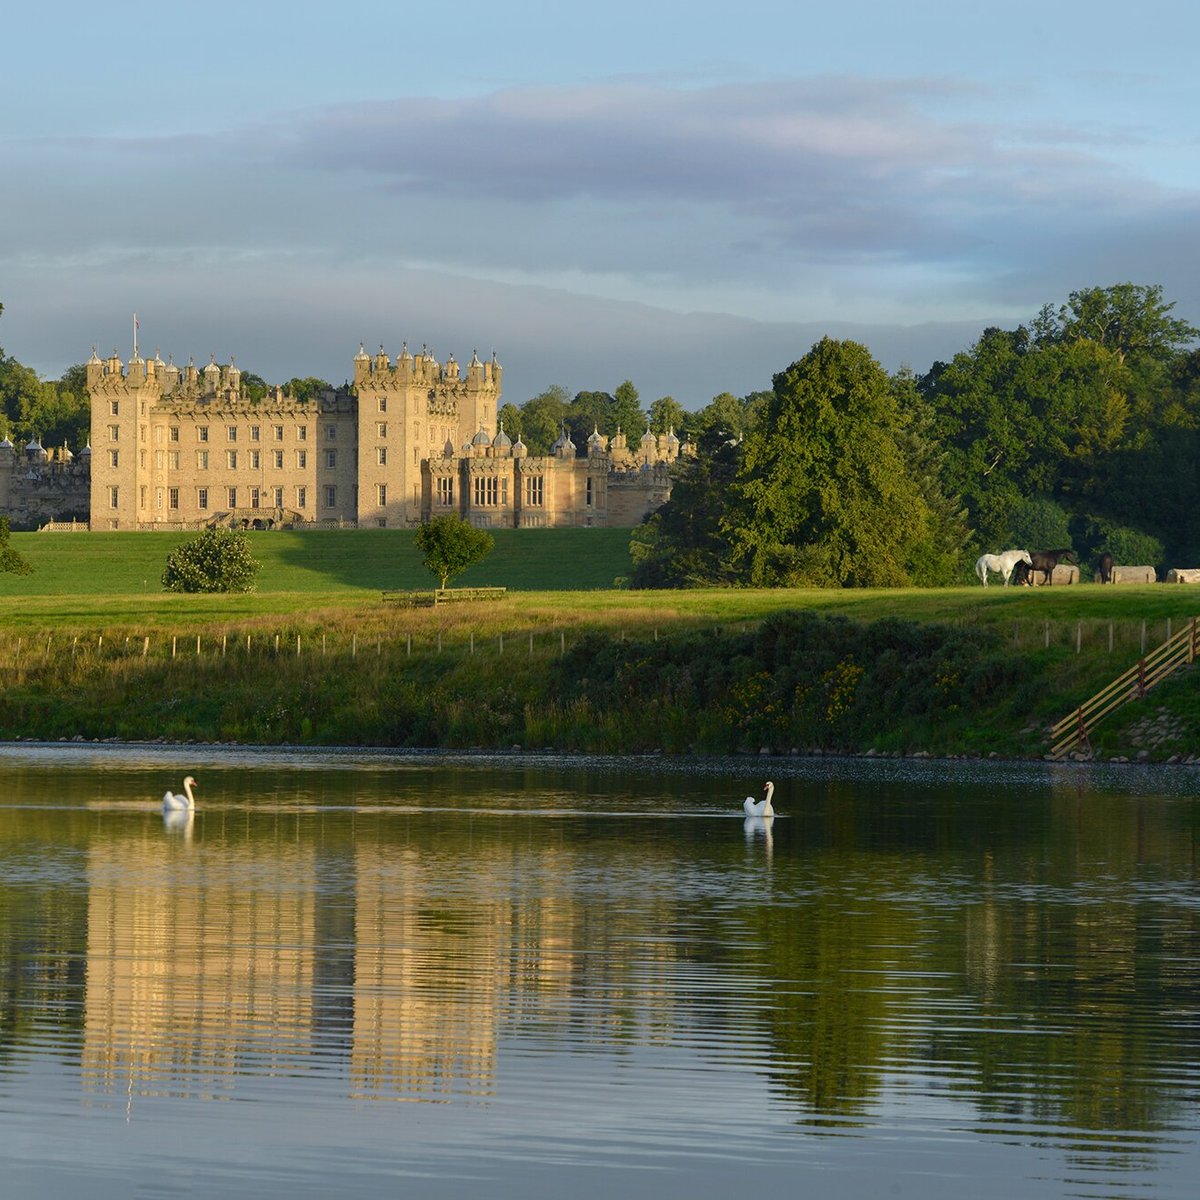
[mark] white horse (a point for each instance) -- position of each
(1002, 563)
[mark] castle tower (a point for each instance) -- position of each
(407, 412)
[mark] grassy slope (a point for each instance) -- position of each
(325, 585)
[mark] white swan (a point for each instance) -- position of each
(760, 808)
(177, 800)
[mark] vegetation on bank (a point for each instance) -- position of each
(947, 671)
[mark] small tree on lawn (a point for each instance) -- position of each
(451, 545)
(12, 561)
(218, 560)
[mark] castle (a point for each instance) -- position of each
(186, 447)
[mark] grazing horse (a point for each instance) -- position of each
(1001, 563)
(1046, 560)
(1106, 566)
(1022, 575)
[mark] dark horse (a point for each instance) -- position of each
(1106, 566)
(1046, 560)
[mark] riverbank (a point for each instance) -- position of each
(600, 675)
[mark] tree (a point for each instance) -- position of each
(11, 561)
(542, 418)
(823, 495)
(626, 412)
(451, 545)
(509, 419)
(667, 415)
(217, 560)
(305, 389)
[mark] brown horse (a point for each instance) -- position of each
(1106, 566)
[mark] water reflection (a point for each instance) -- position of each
(932, 958)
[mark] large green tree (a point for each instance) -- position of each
(823, 495)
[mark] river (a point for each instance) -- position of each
(360, 975)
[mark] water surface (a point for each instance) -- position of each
(364, 975)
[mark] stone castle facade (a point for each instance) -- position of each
(186, 447)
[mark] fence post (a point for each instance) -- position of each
(322, 645)
(224, 639)
(173, 646)
(297, 645)
(277, 644)
(1110, 637)
(439, 641)
(562, 641)
(74, 645)
(354, 645)
(502, 644)
(17, 660)
(145, 646)
(197, 645)
(471, 636)
(1192, 643)
(409, 646)
(1078, 637)
(1047, 635)
(531, 641)
(1141, 677)
(1168, 629)
(1143, 649)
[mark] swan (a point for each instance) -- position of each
(178, 800)
(760, 808)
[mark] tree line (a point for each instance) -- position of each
(1080, 428)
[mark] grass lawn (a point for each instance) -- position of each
(319, 561)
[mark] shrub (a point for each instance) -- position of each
(218, 560)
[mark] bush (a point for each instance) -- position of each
(218, 560)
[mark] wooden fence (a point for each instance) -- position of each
(1179, 650)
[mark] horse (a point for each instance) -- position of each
(1001, 563)
(1022, 575)
(1106, 566)
(1046, 560)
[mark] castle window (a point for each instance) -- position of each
(301, 459)
(113, 455)
(278, 497)
(277, 458)
(254, 497)
(254, 433)
(114, 408)
(174, 433)
(331, 497)
(159, 460)
(588, 496)
(302, 433)
(445, 492)
(255, 460)
(381, 494)
(331, 433)
(142, 459)
(535, 491)
(232, 497)
(504, 490)
(202, 433)
(487, 490)
(382, 404)
(381, 429)
(277, 432)
(202, 498)
(380, 455)
(114, 433)
(173, 460)
(173, 498)
(142, 496)
(159, 435)
(301, 497)
(114, 497)
(158, 498)
(331, 459)
(141, 433)
(231, 433)
(231, 459)
(202, 460)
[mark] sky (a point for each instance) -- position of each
(687, 195)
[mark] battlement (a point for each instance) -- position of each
(112, 377)
(379, 372)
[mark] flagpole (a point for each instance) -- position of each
(135, 327)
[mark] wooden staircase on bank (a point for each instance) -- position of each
(1179, 650)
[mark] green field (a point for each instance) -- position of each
(326, 561)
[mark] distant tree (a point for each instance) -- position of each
(254, 387)
(11, 561)
(667, 414)
(451, 545)
(823, 495)
(305, 389)
(1127, 318)
(217, 560)
(542, 418)
(509, 419)
(591, 411)
(626, 412)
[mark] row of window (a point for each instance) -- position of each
(253, 459)
(168, 498)
(490, 491)
(231, 432)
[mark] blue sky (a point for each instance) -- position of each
(684, 194)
